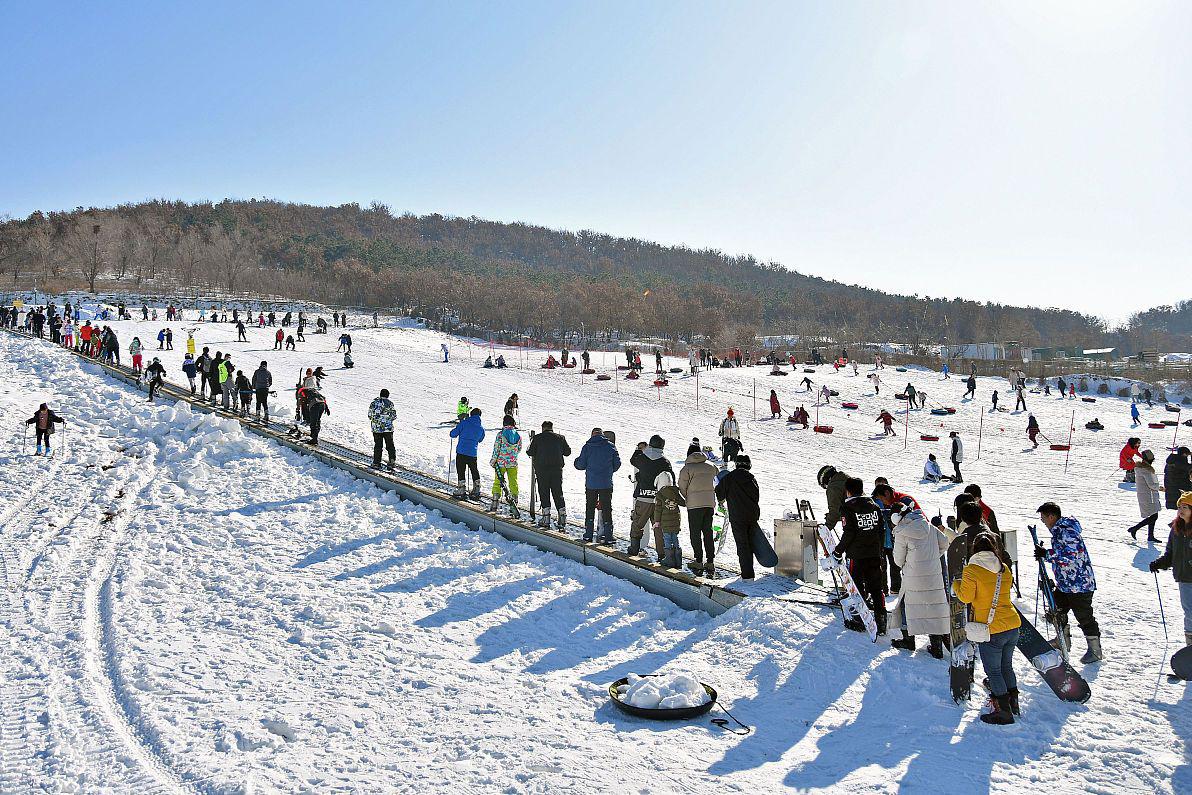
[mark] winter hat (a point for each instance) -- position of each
(1147, 455)
(899, 512)
(657, 442)
(665, 478)
(954, 434)
(508, 422)
(1185, 499)
(743, 462)
(730, 412)
(825, 474)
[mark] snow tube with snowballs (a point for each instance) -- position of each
(940, 412)
(1089, 400)
(1155, 425)
(632, 375)
(927, 437)
(661, 382)
(604, 377)
(822, 428)
(849, 406)
(618, 689)
(1174, 409)
(588, 371)
(1061, 447)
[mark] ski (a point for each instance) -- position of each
(505, 492)
(1047, 591)
(852, 603)
(964, 652)
(1061, 677)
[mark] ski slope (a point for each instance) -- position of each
(189, 608)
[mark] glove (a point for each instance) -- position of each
(1154, 565)
(1040, 552)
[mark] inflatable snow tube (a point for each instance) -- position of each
(1061, 447)
(822, 428)
(661, 382)
(632, 375)
(809, 369)
(949, 409)
(1170, 423)
(900, 369)
(604, 377)
(588, 371)
(900, 396)
(1174, 409)
(676, 369)
(1155, 425)
(1089, 400)
(622, 367)
(940, 412)
(678, 713)
(927, 437)
(569, 366)
(833, 393)
(849, 406)
(777, 372)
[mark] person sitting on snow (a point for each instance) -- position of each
(501, 362)
(932, 471)
(488, 363)
(801, 417)
(348, 363)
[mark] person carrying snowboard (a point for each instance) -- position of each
(986, 586)
(1074, 580)
(739, 492)
(43, 425)
(506, 448)
(547, 450)
(861, 543)
(598, 460)
(1178, 558)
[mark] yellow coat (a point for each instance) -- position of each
(976, 589)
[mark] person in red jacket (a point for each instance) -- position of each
(1126, 457)
(775, 406)
(277, 339)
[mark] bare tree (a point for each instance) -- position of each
(90, 246)
(233, 253)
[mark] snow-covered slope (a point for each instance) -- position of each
(190, 608)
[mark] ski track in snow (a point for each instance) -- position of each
(251, 620)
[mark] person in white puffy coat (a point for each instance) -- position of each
(918, 548)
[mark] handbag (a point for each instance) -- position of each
(975, 630)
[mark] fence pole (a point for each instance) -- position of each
(1176, 435)
(906, 433)
(755, 399)
(1068, 452)
(697, 394)
(980, 433)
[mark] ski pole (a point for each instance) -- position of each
(1162, 617)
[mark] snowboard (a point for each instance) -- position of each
(763, 550)
(964, 653)
(1061, 677)
(719, 529)
(852, 603)
(1181, 663)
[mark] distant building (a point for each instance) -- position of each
(1046, 354)
(1100, 354)
(987, 351)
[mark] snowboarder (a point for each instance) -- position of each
(987, 585)
(1148, 490)
(739, 492)
(262, 380)
(697, 484)
(861, 542)
(43, 426)
(598, 460)
(381, 414)
(1178, 558)
(648, 460)
(547, 451)
(470, 433)
(1074, 580)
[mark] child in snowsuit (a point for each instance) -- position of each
(506, 448)
(668, 519)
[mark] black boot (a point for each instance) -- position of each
(881, 623)
(999, 712)
(906, 642)
(1012, 699)
(936, 647)
(635, 546)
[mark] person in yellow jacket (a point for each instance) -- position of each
(977, 588)
(226, 382)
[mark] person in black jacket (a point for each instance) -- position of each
(262, 381)
(316, 407)
(157, 376)
(1177, 476)
(547, 451)
(738, 489)
(861, 543)
(648, 462)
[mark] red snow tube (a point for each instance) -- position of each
(632, 375)
(1155, 425)
(661, 382)
(549, 366)
(849, 406)
(588, 371)
(822, 428)
(926, 437)
(622, 367)
(604, 377)
(1061, 447)
(950, 410)
(569, 366)
(1089, 400)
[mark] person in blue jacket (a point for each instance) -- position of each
(598, 460)
(470, 434)
(191, 369)
(1134, 414)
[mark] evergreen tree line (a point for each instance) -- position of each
(511, 277)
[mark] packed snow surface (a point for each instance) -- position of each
(188, 607)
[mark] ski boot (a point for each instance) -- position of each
(881, 622)
(1094, 653)
(544, 520)
(474, 494)
(587, 534)
(606, 536)
(38, 451)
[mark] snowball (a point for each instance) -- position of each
(667, 691)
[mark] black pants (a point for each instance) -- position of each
(699, 526)
(154, 385)
(1148, 523)
(43, 434)
(741, 530)
(731, 448)
(1020, 402)
(383, 439)
(315, 419)
(462, 464)
(893, 571)
(956, 466)
(867, 574)
(263, 401)
(550, 486)
(605, 498)
(1081, 605)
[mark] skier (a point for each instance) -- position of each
(648, 461)
(135, 350)
(971, 388)
(381, 414)
(739, 492)
(730, 437)
(861, 542)
(667, 518)
(157, 375)
(1032, 430)
(470, 433)
(1178, 558)
(1134, 415)
(316, 407)
(987, 585)
(1074, 580)
(43, 425)
(262, 380)
(547, 451)
(887, 421)
(1177, 476)
(461, 409)
(775, 407)
(956, 456)
(697, 484)
(918, 547)
(1126, 458)
(506, 448)
(243, 392)
(1148, 489)
(598, 460)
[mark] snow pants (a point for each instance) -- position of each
(643, 514)
(1081, 605)
(385, 439)
(741, 537)
(997, 658)
(463, 463)
(263, 402)
(868, 577)
(510, 475)
(605, 498)
(550, 487)
(699, 527)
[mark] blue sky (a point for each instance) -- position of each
(1018, 152)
